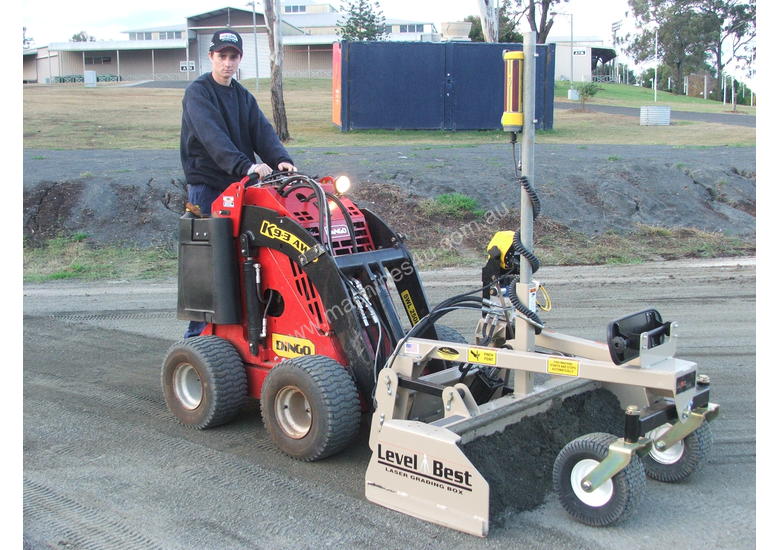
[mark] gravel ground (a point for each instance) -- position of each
(136, 195)
(106, 466)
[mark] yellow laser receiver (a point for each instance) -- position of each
(512, 119)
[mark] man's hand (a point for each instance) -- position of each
(287, 167)
(262, 170)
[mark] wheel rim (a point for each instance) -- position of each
(293, 412)
(187, 386)
(669, 455)
(601, 495)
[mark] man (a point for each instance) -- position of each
(222, 129)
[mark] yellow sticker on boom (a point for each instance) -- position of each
(448, 353)
(406, 297)
(565, 367)
(484, 356)
(290, 346)
(273, 231)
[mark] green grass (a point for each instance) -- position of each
(454, 205)
(149, 118)
(74, 257)
(624, 95)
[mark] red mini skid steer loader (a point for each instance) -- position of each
(291, 278)
(293, 281)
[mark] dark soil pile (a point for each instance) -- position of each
(135, 197)
(518, 462)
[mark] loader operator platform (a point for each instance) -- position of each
(222, 128)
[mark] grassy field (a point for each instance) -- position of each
(150, 118)
(624, 95)
(75, 258)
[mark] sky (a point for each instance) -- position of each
(56, 21)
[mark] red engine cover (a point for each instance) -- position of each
(302, 327)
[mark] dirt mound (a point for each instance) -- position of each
(135, 197)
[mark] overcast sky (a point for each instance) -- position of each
(56, 21)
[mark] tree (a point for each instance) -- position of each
(542, 24)
(488, 16)
(361, 20)
(587, 90)
(272, 10)
(683, 34)
(507, 25)
(723, 29)
(82, 36)
(736, 21)
(26, 40)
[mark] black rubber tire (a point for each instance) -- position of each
(333, 406)
(222, 378)
(628, 485)
(696, 448)
(449, 334)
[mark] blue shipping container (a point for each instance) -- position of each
(431, 85)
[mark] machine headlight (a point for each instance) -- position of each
(342, 184)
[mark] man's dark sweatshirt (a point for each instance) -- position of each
(221, 129)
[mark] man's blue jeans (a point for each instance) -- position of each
(203, 196)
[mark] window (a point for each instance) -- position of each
(147, 36)
(295, 9)
(170, 35)
(97, 60)
(412, 28)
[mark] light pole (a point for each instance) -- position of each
(655, 77)
(571, 51)
(257, 60)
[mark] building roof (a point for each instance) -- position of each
(578, 40)
(310, 39)
(103, 45)
(303, 20)
(227, 9)
(181, 27)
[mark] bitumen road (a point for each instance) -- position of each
(107, 466)
(736, 119)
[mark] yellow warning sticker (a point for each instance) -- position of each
(406, 297)
(273, 231)
(565, 367)
(484, 356)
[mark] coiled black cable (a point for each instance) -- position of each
(517, 243)
(515, 300)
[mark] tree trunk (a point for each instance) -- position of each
(719, 68)
(272, 21)
(488, 14)
(678, 84)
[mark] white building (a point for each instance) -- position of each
(180, 51)
(578, 59)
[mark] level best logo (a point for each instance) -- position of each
(290, 346)
(424, 469)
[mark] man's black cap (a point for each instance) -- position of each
(226, 38)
